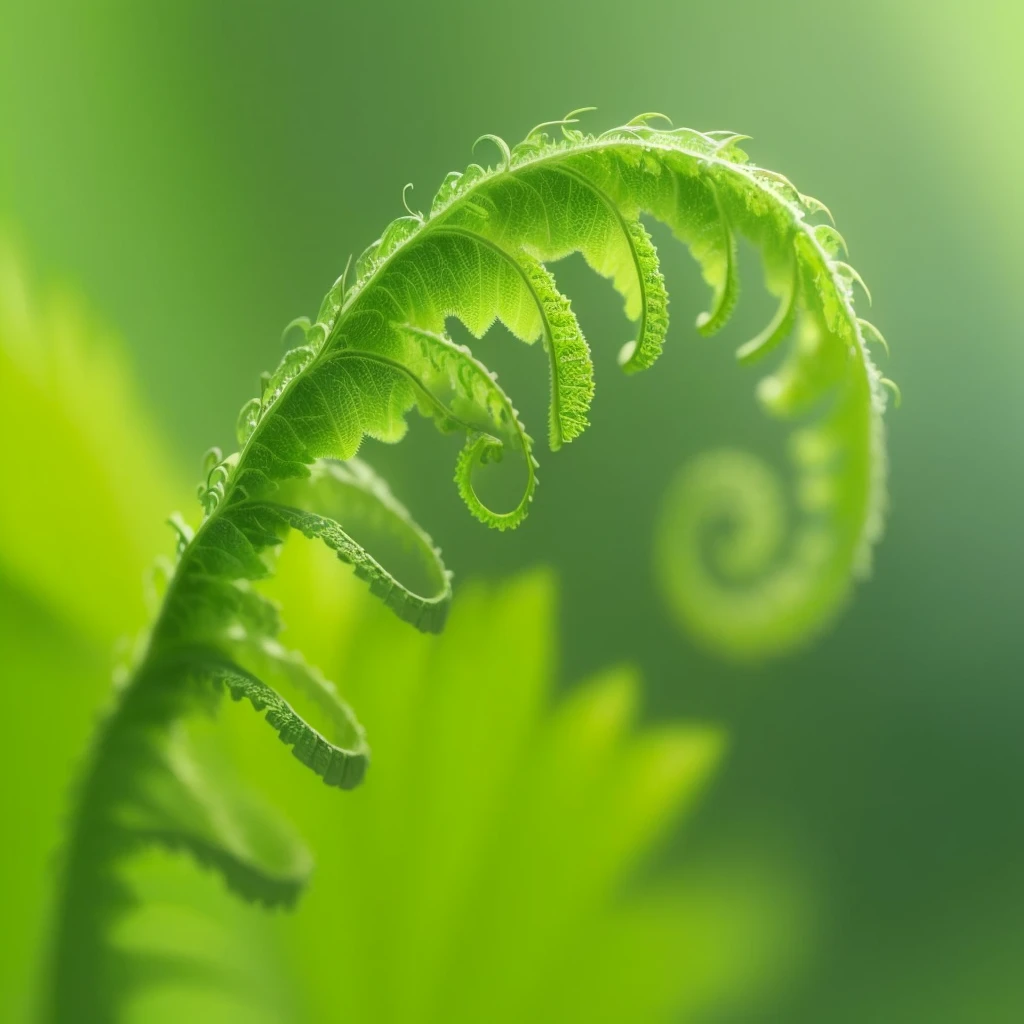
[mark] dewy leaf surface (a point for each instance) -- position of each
(378, 350)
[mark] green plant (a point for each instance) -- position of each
(376, 351)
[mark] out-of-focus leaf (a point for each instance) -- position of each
(90, 484)
(86, 490)
(493, 865)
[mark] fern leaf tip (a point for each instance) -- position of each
(894, 390)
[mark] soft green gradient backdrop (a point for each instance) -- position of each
(202, 170)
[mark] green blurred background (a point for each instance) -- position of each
(201, 170)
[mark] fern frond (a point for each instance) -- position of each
(378, 350)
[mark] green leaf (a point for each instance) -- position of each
(377, 351)
(340, 757)
(192, 803)
(485, 411)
